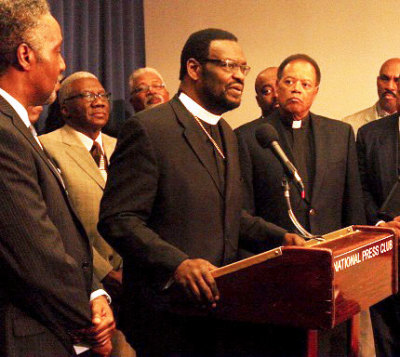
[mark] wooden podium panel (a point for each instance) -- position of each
(313, 287)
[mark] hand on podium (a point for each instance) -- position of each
(293, 239)
(395, 224)
(194, 275)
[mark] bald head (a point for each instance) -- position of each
(266, 90)
(387, 84)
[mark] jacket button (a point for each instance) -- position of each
(312, 212)
(85, 265)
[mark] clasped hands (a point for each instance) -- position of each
(98, 336)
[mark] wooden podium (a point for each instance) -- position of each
(314, 287)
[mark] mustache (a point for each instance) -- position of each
(388, 91)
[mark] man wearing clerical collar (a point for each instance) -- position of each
(172, 205)
(322, 150)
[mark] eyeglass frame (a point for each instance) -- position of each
(225, 63)
(147, 87)
(87, 95)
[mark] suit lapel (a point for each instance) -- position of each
(389, 142)
(321, 155)
(21, 127)
(276, 121)
(196, 139)
(78, 152)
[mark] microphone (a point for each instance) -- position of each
(267, 137)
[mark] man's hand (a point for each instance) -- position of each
(195, 277)
(293, 239)
(395, 224)
(103, 325)
(112, 283)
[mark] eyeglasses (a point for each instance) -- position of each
(229, 65)
(145, 88)
(91, 97)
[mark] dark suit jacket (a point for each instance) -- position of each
(377, 147)
(163, 203)
(46, 270)
(336, 197)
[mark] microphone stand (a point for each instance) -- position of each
(296, 223)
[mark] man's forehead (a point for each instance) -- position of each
(147, 77)
(226, 49)
(391, 69)
(299, 67)
(86, 83)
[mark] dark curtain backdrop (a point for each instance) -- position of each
(105, 37)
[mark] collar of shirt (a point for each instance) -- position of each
(198, 111)
(17, 106)
(86, 141)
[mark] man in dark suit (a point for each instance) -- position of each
(46, 275)
(172, 202)
(378, 156)
(322, 149)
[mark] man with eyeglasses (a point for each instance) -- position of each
(147, 89)
(172, 205)
(386, 105)
(323, 151)
(82, 152)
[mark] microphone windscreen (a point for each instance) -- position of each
(266, 134)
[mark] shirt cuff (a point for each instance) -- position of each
(100, 292)
(379, 222)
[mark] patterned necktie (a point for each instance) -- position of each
(99, 158)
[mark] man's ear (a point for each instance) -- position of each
(25, 57)
(193, 68)
(64, 110)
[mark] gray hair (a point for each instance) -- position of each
(138, 72)
(17, 20)
(65, 89)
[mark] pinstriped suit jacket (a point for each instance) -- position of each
(46, 270)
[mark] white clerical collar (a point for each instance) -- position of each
(86, 141)
(297, 124)
(198, 111)
(17, 106)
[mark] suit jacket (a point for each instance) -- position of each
(85, 186)
(163, 202)
(336, 197)
(46, 274)
(357, 120)
(377, 147)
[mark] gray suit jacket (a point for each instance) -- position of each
(85, 186)
(46, 269)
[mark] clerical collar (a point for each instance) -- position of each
(17, 106)
(198, 111)
(295, 124)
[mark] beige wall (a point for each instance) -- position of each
(349, 39)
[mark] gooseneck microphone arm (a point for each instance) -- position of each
(267, 137)
(296, 223)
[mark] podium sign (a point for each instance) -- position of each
(313, 287)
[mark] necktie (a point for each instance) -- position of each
(99, 158)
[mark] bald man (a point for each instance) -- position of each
(386, 104)
(266, 90)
